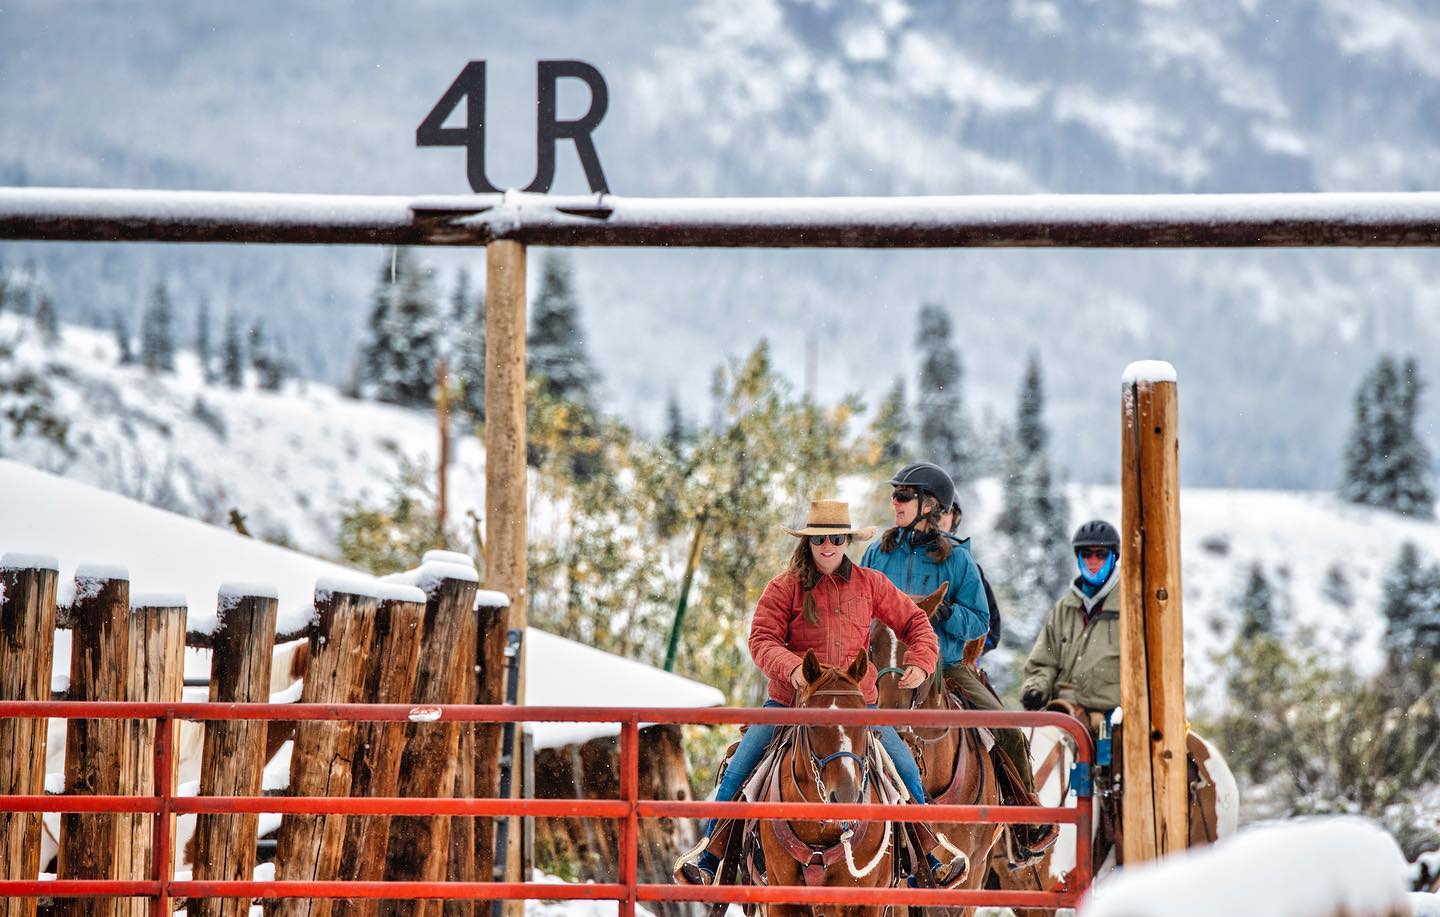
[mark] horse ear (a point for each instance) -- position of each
(857, 668)
(811, 667)
(934, 600)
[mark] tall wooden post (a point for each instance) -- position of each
(94, 763)
(1152, 655)
(157, 662)
(310, 847)
(27, 644)
(505, 524)
(233, 756)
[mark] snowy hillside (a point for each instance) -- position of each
(289, 461)
(1296, 537)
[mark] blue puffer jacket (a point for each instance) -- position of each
(910, 568)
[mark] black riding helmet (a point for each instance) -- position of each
(928, 478)
(1097, 533)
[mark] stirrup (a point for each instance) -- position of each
(1027, 854)
(687, 869)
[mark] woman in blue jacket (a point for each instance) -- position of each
(917, 555)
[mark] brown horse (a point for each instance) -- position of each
(955, 765)
(827, 764)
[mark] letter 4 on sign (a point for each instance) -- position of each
(470, 86)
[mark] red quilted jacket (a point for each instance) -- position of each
(846, 601)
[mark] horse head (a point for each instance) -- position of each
(837, 753)
(889, 653)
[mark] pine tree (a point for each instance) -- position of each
(157, 333)
(46, 321)
(232, 356)
(677, 432)
(891, 428)
(1386, 464)
(202, 343)
(468, 336)
(1035, 514)
(555, 348)
(267, 359)
(1410, 603)
(944, 430)
(399, 357)
(1257, 606)
(122, 339)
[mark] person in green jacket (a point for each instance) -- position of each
(1077, 653)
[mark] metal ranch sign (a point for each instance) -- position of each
(470, 86)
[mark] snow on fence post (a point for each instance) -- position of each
(419, 845)
(505, 505)
(241, 638)
(491, 627)
(157, 673)
(1152, 656)
(94, 759)
(27, 645)
(341, 638)
(389, 679)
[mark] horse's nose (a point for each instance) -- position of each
(833, 797)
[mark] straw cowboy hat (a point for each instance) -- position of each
(831, 517)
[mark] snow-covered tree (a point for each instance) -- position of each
(1035, 514)
(1386, 463)
(267, 358)
(203, 347)
(403, 334)
(123, 346)
(1410, 603)
(46, 321)
(555, 348)
(467, 319)
(891, 428)
(944, 431)
(232, 354)
(157, 332)
(1257, 606)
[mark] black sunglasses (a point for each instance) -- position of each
(903, 496)
(1097, 553)
(837, 540)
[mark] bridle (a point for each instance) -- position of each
(818, 764)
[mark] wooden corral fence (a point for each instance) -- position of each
(425, 644)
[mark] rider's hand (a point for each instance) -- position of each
(797, 678)
(914, 677)
(1032, 700)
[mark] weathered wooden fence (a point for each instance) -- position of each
(426, 637)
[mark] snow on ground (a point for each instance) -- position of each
(1304, 867)
(288, 460)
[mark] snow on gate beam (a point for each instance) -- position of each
(1379, 219)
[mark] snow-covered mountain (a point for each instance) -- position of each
(791, 97)
(292, 461)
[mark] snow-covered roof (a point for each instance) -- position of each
(80, 526)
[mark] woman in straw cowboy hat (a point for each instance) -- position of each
(825, 603)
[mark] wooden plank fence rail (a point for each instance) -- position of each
(94, 749)
(389, 679)
(27, 645)
(157, 662)
(320, 765)
(233, 758)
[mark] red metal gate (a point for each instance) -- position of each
(629, 808)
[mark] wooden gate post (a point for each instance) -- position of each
(1152, 655)
(157, 662)
(420, 844)
(506, 567)
(27, 645)
(233, 759)
(389, 679)
(94, 762)
(341, 640)
(492, 615)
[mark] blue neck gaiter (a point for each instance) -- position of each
(1098, 578)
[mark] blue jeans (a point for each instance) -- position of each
(757, 739)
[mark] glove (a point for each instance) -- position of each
(1032, 700)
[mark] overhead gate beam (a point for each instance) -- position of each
(1355, 220)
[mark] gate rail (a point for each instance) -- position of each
(629, 808)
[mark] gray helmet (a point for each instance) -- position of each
(1097, 533)
(929, 478)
